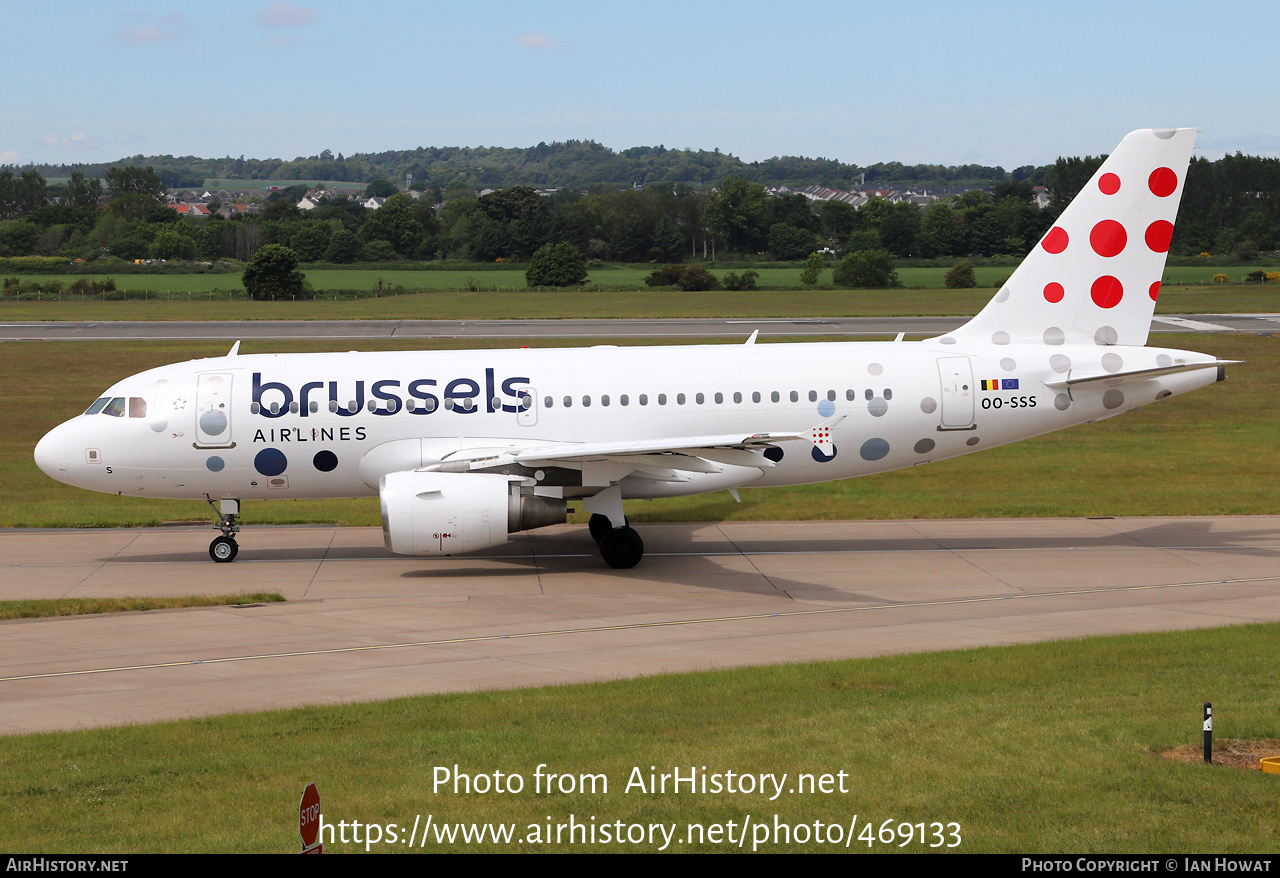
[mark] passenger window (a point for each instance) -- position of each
(548, 402)
(624, 400)
(313, 406)
(719, 398)
(870, 394)
(333, 406)
(115, 408)
(755, 396)
(604, 399)
(97, 405)
(737, 397)
(699, 399)
(586, 402)
(137, 407)
(568, 402)
(293, 408)
(813, 396)
(775, 396)
(850, 395)
(680, 399)
(644, 399)
(795, 397)
(831, 395)
(448, 405)
(662, 399)
(888, 394)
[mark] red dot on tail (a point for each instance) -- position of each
(1162, 182)
(1159, 234)
(1053, 292)
(1056, 240)
(1155, 290)
(1109, 184)
(1108, 238)
(1107, 291)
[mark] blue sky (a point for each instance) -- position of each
(1005, 83)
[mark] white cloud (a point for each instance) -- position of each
(8, 157)
(79, 140)
(539, 40)
(172, 27)
(281, 14)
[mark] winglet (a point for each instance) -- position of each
(235, 349)
(752, 339)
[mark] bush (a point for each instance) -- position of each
(961, 276)
(690, 278)
(746, 282)
(866, 269)
(274, 274)
(812, 270)
(556, 265)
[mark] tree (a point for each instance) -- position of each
(394, 223)
(380, 188)
(866, 269)
(961, 276)
(274, 274)
(556, 265)
(134, 192)
(737, 211)
(812, 269)
(789, 243)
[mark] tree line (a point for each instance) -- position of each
(1231, 207)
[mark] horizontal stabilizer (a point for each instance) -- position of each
(1074, 379)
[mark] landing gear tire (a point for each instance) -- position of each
(599, 525)
(622, 548)
(224, 549)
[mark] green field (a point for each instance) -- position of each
(208, 297)
(1210, 452)
(1049, 747)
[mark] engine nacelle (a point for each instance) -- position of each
(431, 513)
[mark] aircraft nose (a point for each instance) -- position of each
(51, 454)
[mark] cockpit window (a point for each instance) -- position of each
(137, 407)
(115, 408)
(97, 405)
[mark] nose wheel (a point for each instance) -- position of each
(225, 548)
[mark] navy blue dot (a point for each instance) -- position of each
(774, 453)
(215, 464)
(270, 462)
(874, 449)
(325, 461)
(820, 457)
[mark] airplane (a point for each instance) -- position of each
(463, 448)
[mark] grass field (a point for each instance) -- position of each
(1048, 748)
(201, 302)
(1206, 453)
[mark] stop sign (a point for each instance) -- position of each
(309, 815)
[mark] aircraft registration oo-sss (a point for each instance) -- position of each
(465, 447)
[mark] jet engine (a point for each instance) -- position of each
(432, 513)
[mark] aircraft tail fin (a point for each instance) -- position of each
(1094, 277)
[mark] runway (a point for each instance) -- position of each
(362, 624)
(568, 328)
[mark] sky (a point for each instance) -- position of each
(993, 83)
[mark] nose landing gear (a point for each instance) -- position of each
(225, 548)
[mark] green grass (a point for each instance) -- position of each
(1209, 452)
(209, 297)
(1044, 748)
(34, 609)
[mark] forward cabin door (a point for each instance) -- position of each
(213, 410)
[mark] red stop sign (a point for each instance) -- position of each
(309, 815)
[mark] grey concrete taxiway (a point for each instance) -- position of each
(363, 624)
(568, 328)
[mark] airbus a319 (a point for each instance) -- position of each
(465, 447)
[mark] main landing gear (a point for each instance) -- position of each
(225, 548)
(620, 547)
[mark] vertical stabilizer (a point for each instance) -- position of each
(1094, 277)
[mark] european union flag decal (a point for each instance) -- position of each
(1010, 384)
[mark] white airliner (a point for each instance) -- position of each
(465, 447)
